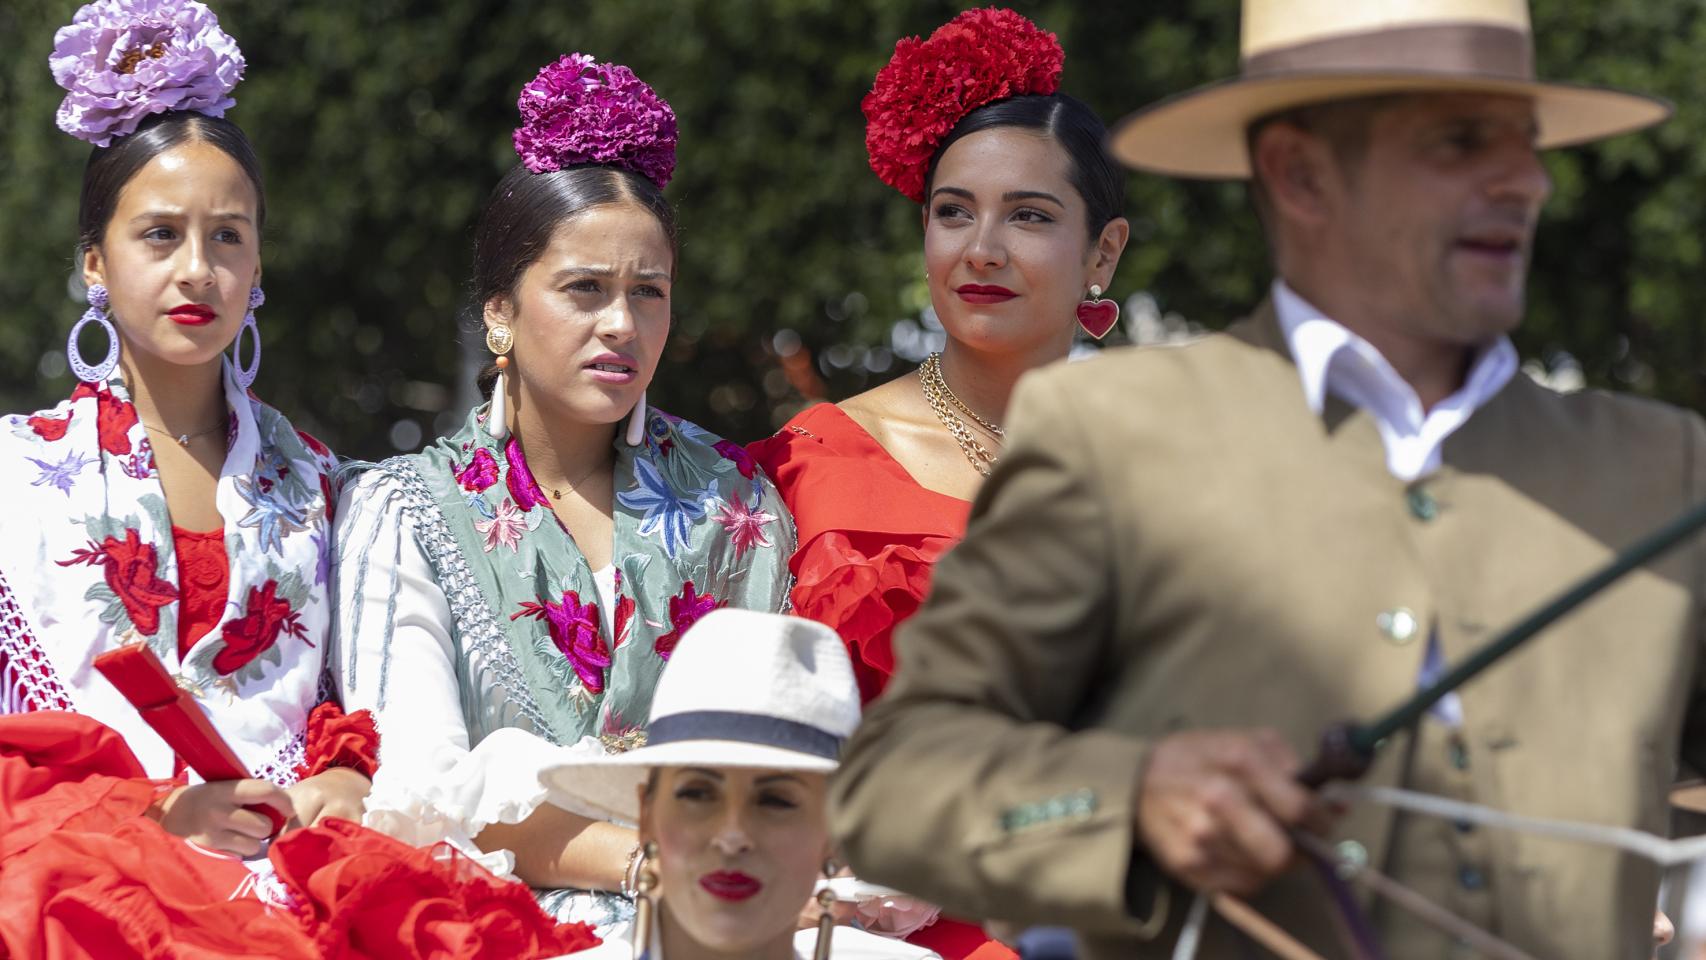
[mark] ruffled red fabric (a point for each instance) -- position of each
(869, 539)
(367, 895)
(338, 739)
(204, 583)
(869, 535)
(85, 873)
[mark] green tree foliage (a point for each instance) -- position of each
(382, 125)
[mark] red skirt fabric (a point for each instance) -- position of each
(86, 872)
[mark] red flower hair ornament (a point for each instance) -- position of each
(928, 86)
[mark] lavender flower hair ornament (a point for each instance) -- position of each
(578, 110)
(122, 60)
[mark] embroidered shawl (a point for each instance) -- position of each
(696, 526)
(86, 546)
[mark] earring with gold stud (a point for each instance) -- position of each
(499, 340)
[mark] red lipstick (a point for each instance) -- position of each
(192, 314)
(730, 885)
(984, 293)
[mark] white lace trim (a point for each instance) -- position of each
(27, 678)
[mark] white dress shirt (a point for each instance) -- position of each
(1330, 358)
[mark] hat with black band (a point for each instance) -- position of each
(743, 689)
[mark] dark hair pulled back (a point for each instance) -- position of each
(110, 168)
(1069, 122)
(526, 208)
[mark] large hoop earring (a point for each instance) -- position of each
(246, 375)
(637, 423)
(645, 888)
(97, 313)
(500, 340)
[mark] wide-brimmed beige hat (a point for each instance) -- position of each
(1299, 52)
(743, 689)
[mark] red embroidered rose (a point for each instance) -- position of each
(623, 621)
(49, 428)
(338, 739)
(480, 473)
(113, 419)
(265, 616)
(132, 575)
(685, 609)
(929, 85)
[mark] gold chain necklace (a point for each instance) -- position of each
(939, 396)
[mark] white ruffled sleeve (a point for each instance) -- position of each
(396, 656)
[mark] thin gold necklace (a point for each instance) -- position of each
(557, 492)
(184, 439)
(939, 395)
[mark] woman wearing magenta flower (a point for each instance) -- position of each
(162, 503)
(515, 589)
(1020, 205)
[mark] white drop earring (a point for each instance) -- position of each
(637, 423)
(499, 340)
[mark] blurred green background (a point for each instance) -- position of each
(382, 125)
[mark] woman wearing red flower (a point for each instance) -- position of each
(1020, 207)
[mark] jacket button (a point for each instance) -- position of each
(1353, 856)
(1423, 506)
(1399, 625)
(1471, 878)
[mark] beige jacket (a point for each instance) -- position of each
(1174, 540)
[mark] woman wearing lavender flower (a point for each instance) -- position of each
(162, 503)
(515, 589)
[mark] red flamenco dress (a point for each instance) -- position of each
(86, 871)
(869, 538)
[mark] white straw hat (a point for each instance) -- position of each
(1299, 52)
(743, 689)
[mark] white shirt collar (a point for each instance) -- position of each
(1331, 358)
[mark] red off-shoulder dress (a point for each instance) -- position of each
(869, 538)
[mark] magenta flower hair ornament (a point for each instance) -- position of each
(122, 60)
(580, 111)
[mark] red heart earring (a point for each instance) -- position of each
(1097, 316)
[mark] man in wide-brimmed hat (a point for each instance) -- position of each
(1192, 560)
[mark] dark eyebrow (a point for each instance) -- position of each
(955, 191)
(781, 776)
(568, 272)
(704, 772)
(179, 215)
(1012, 196)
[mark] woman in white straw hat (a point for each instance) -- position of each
(731, 794)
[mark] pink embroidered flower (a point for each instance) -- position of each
(744, 525)
(505, 528)
(522, 487)
(737, 454)
(480, 473)
(574, 629)
(685, 610)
